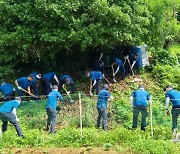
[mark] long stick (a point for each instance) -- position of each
(67, 93)
(28, 92)
(0, 135)
(130, 66)
(80, 115)
(151, 119)
(90, 86)
(107, 80)
(112, 68)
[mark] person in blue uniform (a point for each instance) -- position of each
(7, 90)
(173, 96)
(24, 83)
(46, 80)
(51, 108)
(96, 78)
(118, 66)
(131, 62)
(99, 64)
(8, 114)
(66, 79)
(35, 83)
(140, 100)
(103, 97)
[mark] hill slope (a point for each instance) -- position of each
(119, 137)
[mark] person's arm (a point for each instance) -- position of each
(94, 83)
(60, 96)
(167, 106)
(134, 62)
(29, 90)
(131, 100)
(16, 83)
(116, 70)
(101, 56)
(110, 98)
(14, 112)
(167, 103)
(56, 78)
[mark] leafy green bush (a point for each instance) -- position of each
(163, 57)
(166, 74)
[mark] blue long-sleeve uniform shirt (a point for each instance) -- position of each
(49, 76)
(119, 62)
(141, 97)
(24, 82)
(8, 106)
(103, 98)
(174, 96)
(7, 89)
(53, 99)
(64, 77)
(95, 75)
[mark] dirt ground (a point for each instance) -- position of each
(61, 151)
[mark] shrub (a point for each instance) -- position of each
(166, 74)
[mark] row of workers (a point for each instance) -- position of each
(29, 85)
(140, 99)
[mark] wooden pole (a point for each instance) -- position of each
(107, 80)
(80, 115)
(28, 92)
(67, 93)
(0, 135)
(151, 119)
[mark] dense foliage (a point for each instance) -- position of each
(49, 34)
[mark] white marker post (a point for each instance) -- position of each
(0, 135)
(151, 118)
(80, 115)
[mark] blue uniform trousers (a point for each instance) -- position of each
(5, 117)
(46, 86)
(51, 121)
(102, 114)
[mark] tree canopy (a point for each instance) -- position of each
(41, 31)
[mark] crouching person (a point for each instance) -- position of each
(139, 103)
(51, 108)
(103, 97)
(8, 114)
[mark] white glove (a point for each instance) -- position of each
(126, 57)
(114, 80)
(68, 92)
(19, 87)
(91, 94)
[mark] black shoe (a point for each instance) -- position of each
(47, 127)
(143, 128)
(97, 127)
(22, 136)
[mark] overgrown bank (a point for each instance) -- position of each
(119, 136)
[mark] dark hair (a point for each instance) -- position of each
(140, 86)
(167, 86)
(31, 76)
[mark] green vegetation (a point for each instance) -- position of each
(63, 36)
(68, 31)
(119, 137)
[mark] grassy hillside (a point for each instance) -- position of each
(119, 137)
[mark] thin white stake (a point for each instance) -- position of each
(80, 115)
(151, 118)
(0, 135)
